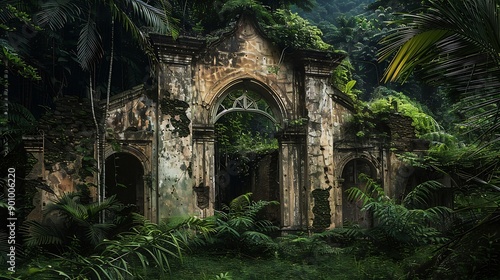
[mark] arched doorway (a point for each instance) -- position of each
(351, 210)
(246, 150)
(125, 179)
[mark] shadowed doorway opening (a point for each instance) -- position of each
(351, 210)
(125, 179)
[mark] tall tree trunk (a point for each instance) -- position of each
(106, 111)
(97, 139)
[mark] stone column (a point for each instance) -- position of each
(293, 197)
(204, 169)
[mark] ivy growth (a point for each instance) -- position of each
(8, 54)
(396, 102)
(385, 103)
(291, 30)
(343, 79)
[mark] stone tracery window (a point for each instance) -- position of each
(244, 101)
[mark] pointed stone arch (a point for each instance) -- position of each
(369, 157)
(306, 107)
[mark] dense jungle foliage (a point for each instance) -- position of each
(434, 61)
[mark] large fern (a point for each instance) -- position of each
(408, 223)
(77, 224)
(21, 122)
(239, 225)
(129, 255)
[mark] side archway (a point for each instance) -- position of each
(128, 176)
(351, 209)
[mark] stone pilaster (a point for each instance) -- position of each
(175, 140)
(293, 195)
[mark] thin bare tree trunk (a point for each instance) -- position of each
(106, 111)
(97, 139)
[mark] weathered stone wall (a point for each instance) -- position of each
(65, 151)
(402, 132)
(131, 115)
(325, 119)
(243, 54)
(171, 130)
(294, 196)
(130, 128)
(381, 152)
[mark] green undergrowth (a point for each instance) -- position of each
(346, 265)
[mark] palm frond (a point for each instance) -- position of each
(96, 233)
(422, 193)
(89, 47)
(39, 234)
(456, 44)
(239, 203)
(414, 50)
(157, 18)
(69, 207)
(56, 13)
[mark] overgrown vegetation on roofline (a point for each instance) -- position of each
(285, 28)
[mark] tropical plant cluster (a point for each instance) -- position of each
(90, 240)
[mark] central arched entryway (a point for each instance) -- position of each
(125, 179)
(246, 150)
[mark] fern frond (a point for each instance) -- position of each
(257, 206)
(422, 193)
(239, 203)
(256, 237)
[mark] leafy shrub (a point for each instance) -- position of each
(393, 101)
(291, 30)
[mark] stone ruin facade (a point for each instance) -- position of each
(164, 139)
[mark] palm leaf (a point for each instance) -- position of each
(452, 43)
(412, 51)
(38, 234)
(157, 20)
(422, 193)
(57, 13)
(239, 203)
(89, 47)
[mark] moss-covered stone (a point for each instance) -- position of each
(321, 209)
